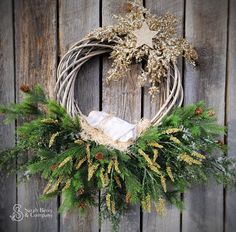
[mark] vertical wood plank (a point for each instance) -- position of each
(7, 95)
(230, 202)
(151, 221)
(36, 57)
(76, 19)
(122, 99)
(206, 28)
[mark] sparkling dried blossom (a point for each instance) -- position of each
(157, 59)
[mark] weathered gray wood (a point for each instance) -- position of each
(77, 18)
(123, 99)
(7, 137)
(36, 57)
(230, 201)
(206, 28)
(171, 221)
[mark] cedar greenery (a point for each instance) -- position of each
(161, 164)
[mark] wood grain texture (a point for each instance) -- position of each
(76, 19)
(7, 95)
(230, 202)
(36, 53)
(151, 221)
(206, 28)
(36, 57)
(122, 99)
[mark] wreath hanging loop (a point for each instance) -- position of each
(139, 37)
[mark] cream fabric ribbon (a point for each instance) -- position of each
(115, 128)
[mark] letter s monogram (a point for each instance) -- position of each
(17, 213)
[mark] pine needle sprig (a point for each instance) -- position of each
(162, 163)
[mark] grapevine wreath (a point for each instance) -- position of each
(153, 160)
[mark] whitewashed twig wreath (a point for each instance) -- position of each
(139, 37)
(153, 160)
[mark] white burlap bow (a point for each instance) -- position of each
(114, 127)
(111, 131)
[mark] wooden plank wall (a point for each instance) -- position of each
(35, 62)
(7, 94)
(34, 34)
(171, 222)
(77, 18)
(124, 100)
(230, 196)
(206, 27)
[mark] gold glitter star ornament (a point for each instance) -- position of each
(144, 36)
(140, 37)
